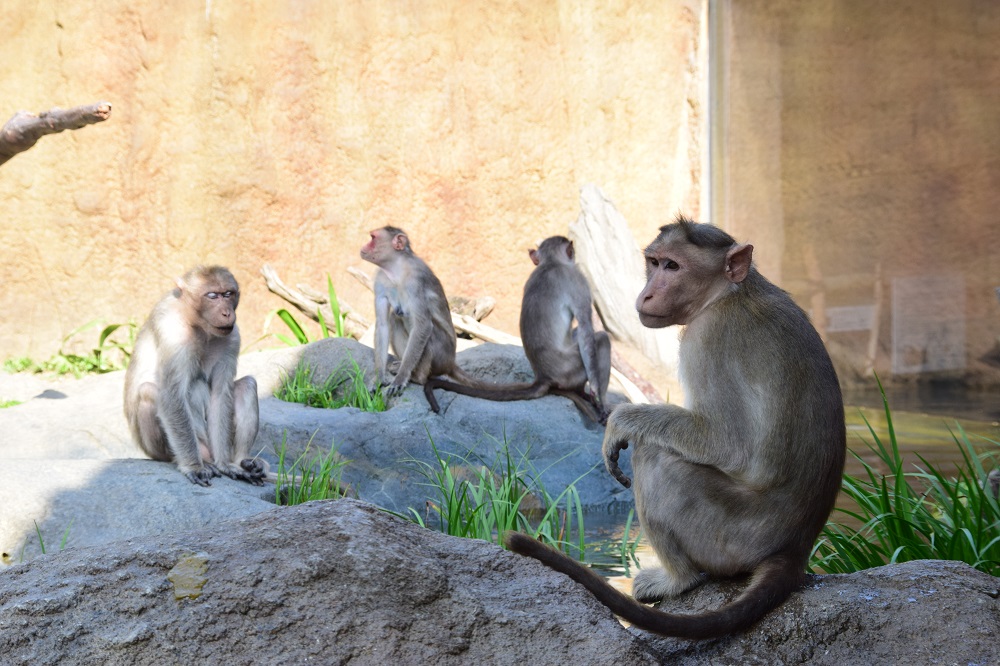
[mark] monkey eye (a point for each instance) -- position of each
(212, 295)
(671, 265)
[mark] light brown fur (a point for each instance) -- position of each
(411, 314)
(182, 400)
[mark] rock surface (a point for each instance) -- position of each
(342, 582)
(67, 469)
(326, 582)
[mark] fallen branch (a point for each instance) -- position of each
(312, 304)
(24, 129)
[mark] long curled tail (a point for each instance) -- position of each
(773, 580)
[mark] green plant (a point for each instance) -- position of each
(299, 335)
(41, 541)
(312, 476)
(484, 501)
(9, 403)
(345, 387)
(113, 351)
(914, 515)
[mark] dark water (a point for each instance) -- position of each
(925, 421)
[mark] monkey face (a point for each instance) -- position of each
(681, 280)
(218, 311)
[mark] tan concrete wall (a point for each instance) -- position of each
(277, 132)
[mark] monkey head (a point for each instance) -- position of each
(385, 242)
(688, 266)
(211, 296)
(558, 248)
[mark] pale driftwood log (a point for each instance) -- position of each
(24, 129)
(310, 304)
(608, 255)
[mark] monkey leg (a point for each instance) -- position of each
(246, 422)
(151, 438)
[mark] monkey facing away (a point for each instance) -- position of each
(182, 400)
(411, 313)
(574, 362)
(742, 479)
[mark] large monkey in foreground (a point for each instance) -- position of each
(411, 313)
(567, 361)
(181, 398)
(744, 478)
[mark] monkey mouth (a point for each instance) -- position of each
(226, 330)
(654, 321)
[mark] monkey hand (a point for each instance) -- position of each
(611, 462)
(614, 441)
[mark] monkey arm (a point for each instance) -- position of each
(174, 412)
(220, 402)
(588, 353)
(656, 425)
(382, 313)
(416, 343)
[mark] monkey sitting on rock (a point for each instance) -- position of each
(182, 400)
(744, 477)
(411, 314)
(574, 362)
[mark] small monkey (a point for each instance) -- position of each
(182, 400)
(411, 313)
(744, 477)
(574, 362)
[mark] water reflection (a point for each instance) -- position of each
(924, 420)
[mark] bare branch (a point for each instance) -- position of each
(354, 324)
(24, 129)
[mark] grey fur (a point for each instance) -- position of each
(743, 479)
(574, 362)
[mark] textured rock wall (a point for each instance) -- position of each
(279, 132)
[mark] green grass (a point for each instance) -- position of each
(314, 475)
(9, 403)
(482, 501)
(918, 514)
(334, 329)
(345, 387)
(41, 541)
(113, 351)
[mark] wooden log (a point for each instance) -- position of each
(609, 257)
(354, 324)
(24, 129)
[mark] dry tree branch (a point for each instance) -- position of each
(24, 129)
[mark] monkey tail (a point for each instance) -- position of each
(774, 579)
(479, 389)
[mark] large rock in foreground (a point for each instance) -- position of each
(326, 583)
(342, 582)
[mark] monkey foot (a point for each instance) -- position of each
(202, 476)
(250, 470)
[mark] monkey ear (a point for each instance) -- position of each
(180, 283)
(534, 256)
(738, 263)
(569, 250)
(399, 242)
